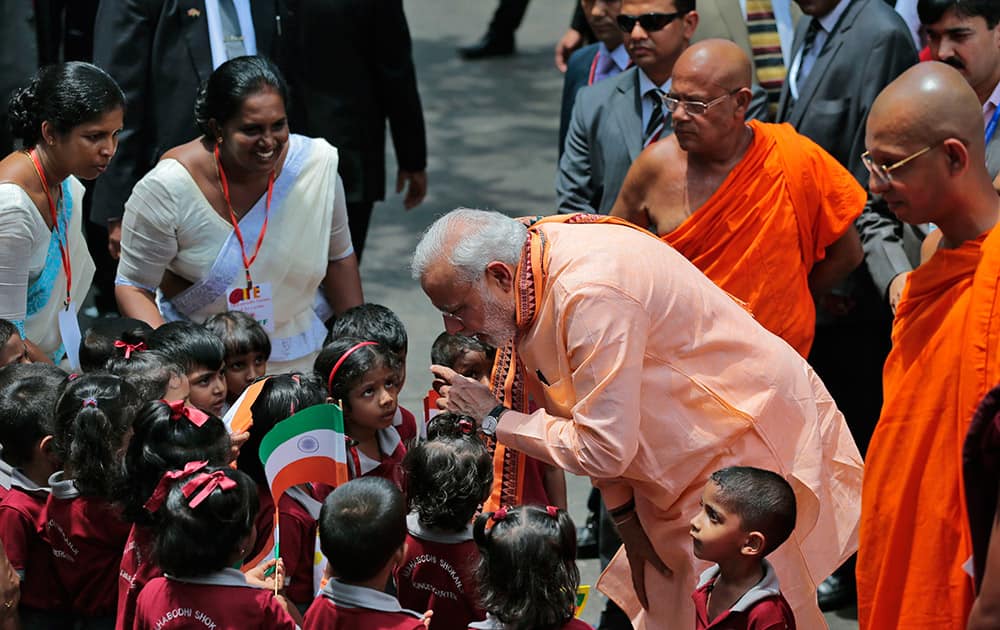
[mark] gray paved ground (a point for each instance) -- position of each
(492, 129)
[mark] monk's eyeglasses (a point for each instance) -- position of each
(695, 108)
(883, 172)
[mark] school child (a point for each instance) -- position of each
(27, 409)
(104, 336)
(468, 356)
(447, 478)
(153, 375)
(298, 509)
(378, 323)
(12, 347)
(362, 529)
(365, 377)
(166, 436)
(746, 513)
(204, 526)
(527, 574)
(93, 420)
(247, 349)
(202, 356)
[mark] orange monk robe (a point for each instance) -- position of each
(914, 536)
(759, 235)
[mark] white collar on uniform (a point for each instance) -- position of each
(433, 535)
(225, 577)
(388, 441)
(490, 623)
(63, 488)
(351, 596)
(19, 480)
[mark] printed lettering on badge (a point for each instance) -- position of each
(255, 302)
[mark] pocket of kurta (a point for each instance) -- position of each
(560, 398)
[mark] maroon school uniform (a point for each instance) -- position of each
(222, 600)
(298, 514)
(87, 536)
(342, 606)
(390, 466)
(407, 427)
(492, 623)
(761, 608)
(28, 553)
(135, 571)
(437, 574)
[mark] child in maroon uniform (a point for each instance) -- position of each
(527, 574)
(746, 513)
(247, 349)
(202, 356)
(87, 535)
(365, 376)
(280, 397)
(165, 437)
(362, 533)
(27, 408)
(150, 372)
(447, 478)
(204, 526)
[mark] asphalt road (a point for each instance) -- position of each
(492, 128)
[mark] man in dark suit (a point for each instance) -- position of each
(160, 53)
(353, 71)
(845, 52)
(18, 59)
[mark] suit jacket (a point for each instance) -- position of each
(159, 53)
(867, 50)
(18, 58)
(576, 78)
(353, 71)
(605, 137)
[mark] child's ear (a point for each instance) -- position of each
(754, 544)
(46, 448)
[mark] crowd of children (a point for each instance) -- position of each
(129, 498)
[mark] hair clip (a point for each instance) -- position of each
(466, 427)
(499, 515)
(89, 401)
(73, 376)
(340, 361)
(155, 500)
(295, 377)
(130, 347)
(552, 510)
(204, 485)
(179, 410)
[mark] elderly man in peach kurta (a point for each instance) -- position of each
(649, 378)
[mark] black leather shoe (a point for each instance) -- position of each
(837, 591)
(586, 539)
(488, 46)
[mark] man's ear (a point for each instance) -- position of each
(502, 274)
(743, 99)
(690, 24)
(754, 544)
(958, 156)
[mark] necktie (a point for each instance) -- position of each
(766, 47)
(232, 35)
(604, 66)
(655, 125)
(807, 45)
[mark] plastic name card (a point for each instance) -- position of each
(69, 332)
(255, 302)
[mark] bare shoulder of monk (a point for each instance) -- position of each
(655, 194)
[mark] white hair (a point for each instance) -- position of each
(469, 240)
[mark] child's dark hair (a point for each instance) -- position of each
(66, 95)
(240, 333)
(226, 89)
(93, 416)
(361, 525)
(447, 348)
(7, 330)
(763, 500)
(27, 408)
(280, 397)
(449, 475)
(148, 371)
(98, 344)
(373, 322)
(189, 345)
(193, 541)
(354, 367)
(166, 439)
(527, 571)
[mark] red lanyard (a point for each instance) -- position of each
(61, 237)
(236, 225)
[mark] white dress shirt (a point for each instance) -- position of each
(801, 66)
(646, 87)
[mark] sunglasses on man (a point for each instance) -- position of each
(649, 22)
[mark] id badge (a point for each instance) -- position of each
(69, 332)
(255, 302)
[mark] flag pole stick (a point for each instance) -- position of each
(277, 553)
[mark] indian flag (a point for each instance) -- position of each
(309, 446)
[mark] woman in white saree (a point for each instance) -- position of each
(247, 217)
(68, 118)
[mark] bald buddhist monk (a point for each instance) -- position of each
(926, 157)
(763, 211)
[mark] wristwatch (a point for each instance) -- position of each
(489, 423)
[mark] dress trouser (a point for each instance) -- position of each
(507, 18)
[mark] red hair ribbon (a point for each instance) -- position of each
(89, 401)
(499, 515)
(340, 361)
(204, 484)
(179, 410)
(155, 500)
(466, 427)
(130, 347)
(552, 510)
